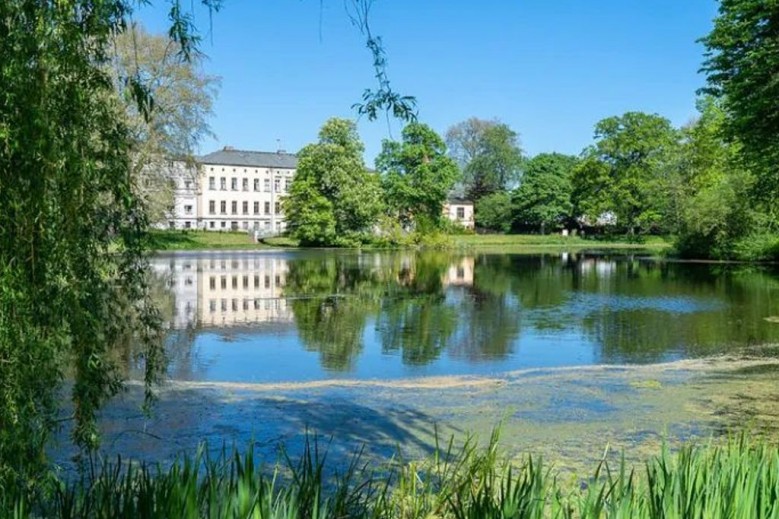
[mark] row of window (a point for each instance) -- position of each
(245, 225)
(257, 304)
(244, 207)
(280, 170)
(277, 186)
(234, 282)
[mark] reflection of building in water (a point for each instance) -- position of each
(219, 291)
(460, 273)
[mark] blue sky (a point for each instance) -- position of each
(549, 68)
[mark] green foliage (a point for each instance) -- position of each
(333, 200)
(624, 172)
(742, 63)
(543, 200)
(488, 154)
(417, 177)
(713, 198)
(494, 212)
(72, 285)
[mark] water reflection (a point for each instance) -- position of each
(301, 316)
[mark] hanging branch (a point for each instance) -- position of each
(383, 99)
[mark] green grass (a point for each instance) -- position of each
(209, 240)
(736, 480)
(557, 241)
(201, 240)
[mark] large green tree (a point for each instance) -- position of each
(417, 176)
(543, 200)
(488, 154)
(624, 172)
(333, 199)
(742, 65)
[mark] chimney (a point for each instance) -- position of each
(229, 148)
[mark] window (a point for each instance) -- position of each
(256, 184)
(223, 208)
(267, 207)
(287, 184)
(277, 208)
(187, 209)
(460, 213)
(245, 225)
(223, 282)
(212, 305)
(234, 184)
(223, 183)
(256, 208)
(211, 183)
(211, 224)
(187, 225)
(245, 184)
(266, 184)
(246, 282)
(234, 226)
(172, 224)
(267, 281)
(245, 207)
(235, 281)
(234, 207)
(211, 207)
(224, 224)
(187, 184)
(267, 225)
(276, 184)
(256, 281)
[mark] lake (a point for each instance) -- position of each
(569, 352)
(303, 316)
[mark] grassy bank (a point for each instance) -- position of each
(739, 479)
(202, 240)
(205, 240)
(518, 241)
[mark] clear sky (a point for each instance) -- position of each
(549, 68)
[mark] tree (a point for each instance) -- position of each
(715, 209)
(742, 63)
(494, 212)
(333, 199)
(624, 171)
(543, 199)
(417, 176)
(488, 154)
(183, 101)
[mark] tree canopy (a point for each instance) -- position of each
(488, 154)
(417, 175)
(742, 66)
(543, 200)
(623, 171)
(333, 199)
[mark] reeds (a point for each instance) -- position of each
(734, 480)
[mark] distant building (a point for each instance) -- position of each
(461, 211)
(233, 190)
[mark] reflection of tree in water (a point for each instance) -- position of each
(331, 300)
(493, 322)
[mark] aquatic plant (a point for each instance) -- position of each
(735, 479)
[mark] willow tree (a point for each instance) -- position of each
(72, 228)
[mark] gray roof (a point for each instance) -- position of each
(254, 159)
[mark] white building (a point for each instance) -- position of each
(461, 211)
(234, 190)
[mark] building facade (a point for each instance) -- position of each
(234, 190)
(460, 211)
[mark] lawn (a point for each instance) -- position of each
(557, 241)
(202, 240)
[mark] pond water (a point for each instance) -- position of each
(269, 317)
(569, 352)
